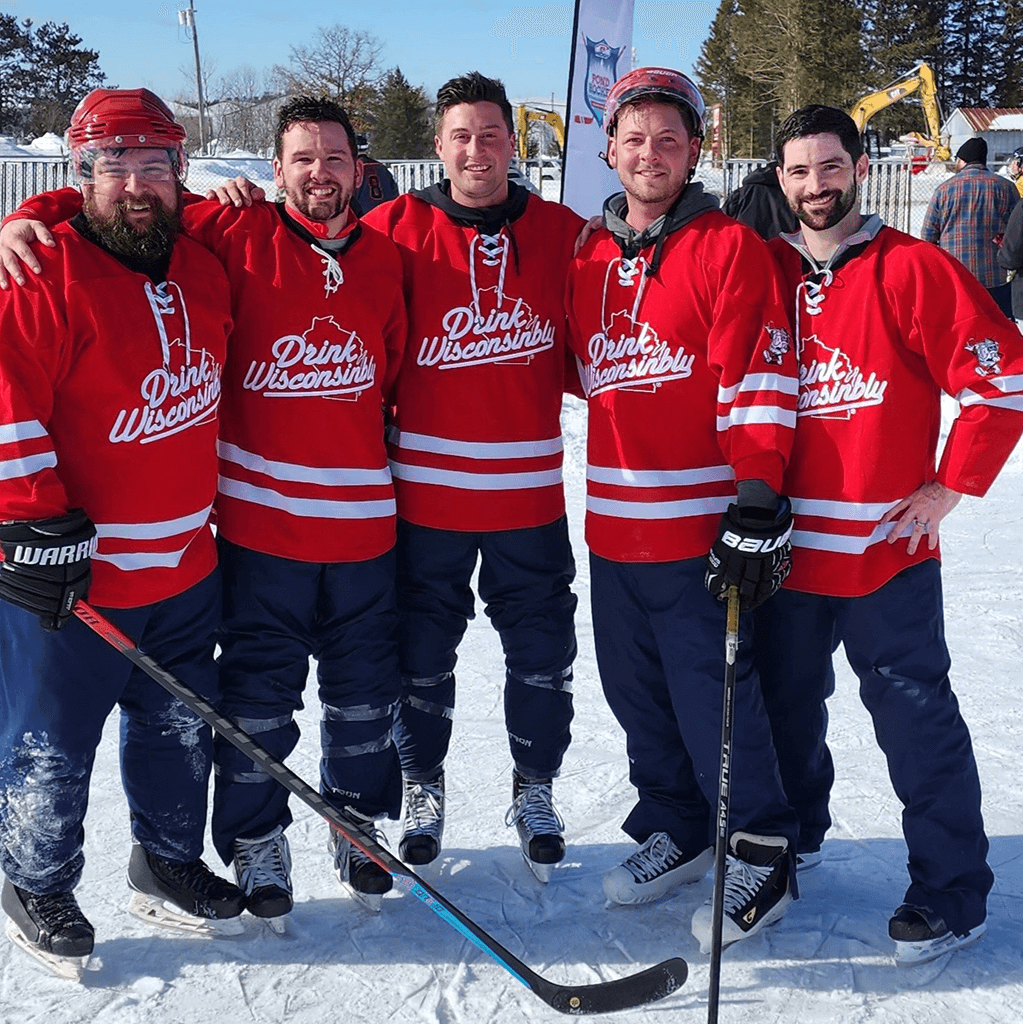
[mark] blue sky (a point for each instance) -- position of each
(525, 44)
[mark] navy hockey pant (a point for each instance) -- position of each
(524, 580)
(56, 692)
(894, 639)
(277, 614)
(660, 641)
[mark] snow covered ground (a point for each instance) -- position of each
(828, 962)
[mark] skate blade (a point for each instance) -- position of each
(70, 968)
(155, 911)
(909, 954)
(372, 901)
(542, 872)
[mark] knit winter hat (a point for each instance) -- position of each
(973, 151)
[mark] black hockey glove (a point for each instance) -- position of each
(46, 564)
(752, 552)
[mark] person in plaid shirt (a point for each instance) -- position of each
(967, 216)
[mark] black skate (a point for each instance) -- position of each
(921, 935)
(50, 928)
(423, 825)
(262, 868)
(183, 896)
(359, 875)
(540, 827)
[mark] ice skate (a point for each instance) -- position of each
(423, 825)
(656, 869)
(51, 928)
(540, 827)
(921, 935)
(262, 868)
(358, 875)
(182, 896)
(756, 893)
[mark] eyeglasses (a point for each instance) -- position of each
(121, 172)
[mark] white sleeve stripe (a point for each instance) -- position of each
(742, 416)
(968, 398)
(409, 441)
(310, 508)
(754, 382)
(623, 477)
(25, 430)
(324, 476)
(12, 469)
(154, 530)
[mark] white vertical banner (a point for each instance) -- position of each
(601, 54)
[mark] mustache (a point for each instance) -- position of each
(831, 193)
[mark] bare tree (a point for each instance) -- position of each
(339, 64)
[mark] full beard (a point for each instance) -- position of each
(148, 244)
(820, 220)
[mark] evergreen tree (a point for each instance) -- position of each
(61, 73)
(402, 120)
(1009, 74)
(972, 32)
(14, 73)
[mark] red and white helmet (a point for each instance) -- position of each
(666, 82)
(124, 119)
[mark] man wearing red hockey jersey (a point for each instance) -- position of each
(305, 504)
(475, 447)
(883, 324)
(110, 366)
(678, 321)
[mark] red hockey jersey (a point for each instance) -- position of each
(315, 350)
(109, 391)
(476, 439)
(878, 338)
(691, 382)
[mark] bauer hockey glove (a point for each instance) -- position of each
(752, 552)
(46, 564)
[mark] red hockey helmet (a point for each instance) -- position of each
(665, 82)
(124, 119)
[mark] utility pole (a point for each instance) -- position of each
(187, 18)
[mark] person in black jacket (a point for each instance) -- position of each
(1010, 256)
(760, 203)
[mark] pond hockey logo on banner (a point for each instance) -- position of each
(601, 73)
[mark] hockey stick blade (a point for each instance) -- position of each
(647, 986)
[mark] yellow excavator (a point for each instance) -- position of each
(525, 115)
(919, 79)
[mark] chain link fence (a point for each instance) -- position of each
(891, 189)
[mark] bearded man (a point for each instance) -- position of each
(883, 324)
(305, 503)
(110, 365)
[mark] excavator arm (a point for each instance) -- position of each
(920, 78)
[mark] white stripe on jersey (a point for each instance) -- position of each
(475, 481)
(622, 477)
(24, 430)
(323, 476)
(473, 449)
(12, 469)
(310, 508)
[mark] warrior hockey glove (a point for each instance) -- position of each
(46, 564)
(752, 552)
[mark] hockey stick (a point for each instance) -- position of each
(724, 787)
(606, 997)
